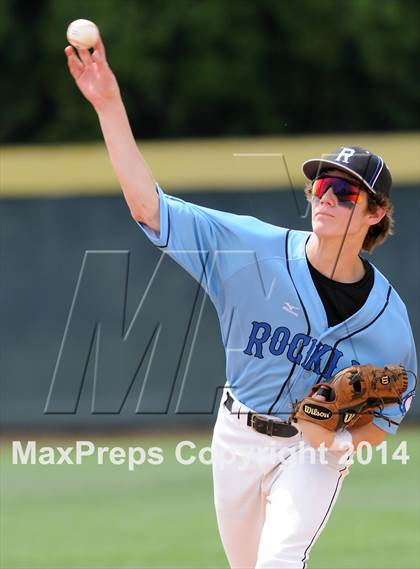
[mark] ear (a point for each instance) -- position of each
(374, 218)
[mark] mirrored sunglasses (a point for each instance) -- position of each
(347, 193)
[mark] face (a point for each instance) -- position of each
(330, 218)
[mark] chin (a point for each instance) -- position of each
(325, 228)
(330, 231)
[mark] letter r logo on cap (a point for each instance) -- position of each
(345, 154)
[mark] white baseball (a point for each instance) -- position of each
(82, 34)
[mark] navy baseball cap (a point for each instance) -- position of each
(357, 161)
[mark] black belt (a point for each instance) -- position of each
(263, 425)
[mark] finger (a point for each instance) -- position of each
(75, 65)
(75, 70)
(99, 59)
(99, 46)
(319, 397)
(72, 57)
(85, 56)
(68, 50)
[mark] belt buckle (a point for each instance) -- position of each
(268, 422)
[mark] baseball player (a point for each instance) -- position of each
(295, 308)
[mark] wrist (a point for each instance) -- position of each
(315, 435)
(109, 106)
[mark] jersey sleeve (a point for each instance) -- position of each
(210, 244)
(394, 414)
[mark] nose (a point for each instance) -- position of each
(329, 198)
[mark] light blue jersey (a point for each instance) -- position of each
(273, 323)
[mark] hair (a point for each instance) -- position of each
(377, 233)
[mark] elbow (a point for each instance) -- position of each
(151, 220)
(146, 210)
(137, 214)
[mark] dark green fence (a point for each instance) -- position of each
(45, 245)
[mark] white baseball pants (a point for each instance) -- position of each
(273, 495)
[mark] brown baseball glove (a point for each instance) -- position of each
(355, 395)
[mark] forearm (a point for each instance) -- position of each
(369, 433)
(316, 435)
(133, 174)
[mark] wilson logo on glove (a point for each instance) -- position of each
(315, 411)
(348, 417)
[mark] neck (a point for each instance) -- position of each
(337, 261)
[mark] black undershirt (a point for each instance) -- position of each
(341, 300)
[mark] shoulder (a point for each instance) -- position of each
(394, 318)
(295, 243)
(384, 287)
(229, 227)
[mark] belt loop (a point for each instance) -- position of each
(228, 402)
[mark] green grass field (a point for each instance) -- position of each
(162, 516)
